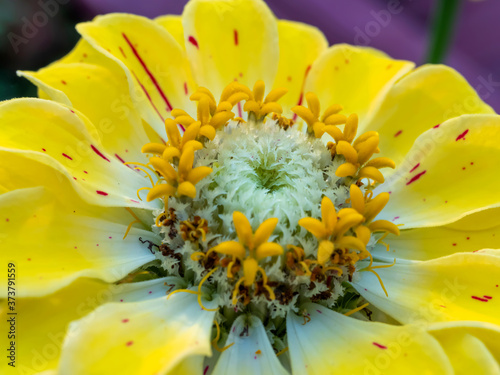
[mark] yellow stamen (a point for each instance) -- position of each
(216, 339)
(359, 308)
(282, 352)
(137, 220)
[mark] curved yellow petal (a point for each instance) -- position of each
(164, 167)
(198, 174)
(325, 250)
(159, 84)
(382, 162)
(153, 148)
(372, 173)
(346, 150)
(100, 91)
(480, 230)
(441, 94)
(173, 24)
(357, 198)
(328, 214)
(264, 231)
(243, 228)
(45, 320)
(354, 77)
(186, 161)
(186, 189)
(384, 226)
(447, 174)
(316, 227)
(250, 267)
(361, 347)
(160, 191)
(231, 248)
(473, 347)
(268, 249)
(457, 287)
(157, 335)
(346, 170)
(208, 131)
(375, 206)
(299, 46)
(228, 40)
(55, 238)
(66, 145)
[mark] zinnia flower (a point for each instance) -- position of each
(254, 232)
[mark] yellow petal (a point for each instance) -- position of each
(173, 24)
(208, 131)
(173, 134)
(381, 163)
(452, 178)
(230, 40)
(346, 170)
(357, 199)
(384, 226)
(231, 248)
(349, 242)
(351, 127)
(355, 77)
(147, 343)
(164, 167)
(472, 347)
(346, 150)
(41, 343)
(250, 353)
(160, 191)
(186, 161)
(313, 104)
(243, 228)
(97, 87)
(264, 231)
(325, 250)
(366, 149)
(316, 227)
(268, 249)
(153, 148)
(372, 173)
(479, 230)
(299, 46)
(328, 214)
(376, 205)
(457, 287)
(158, 86)
(186, 189)
(250, 267)
(66, 145)
(441, 94)
(198, 174)
(170, 153)
(361, 347)
(55, 238)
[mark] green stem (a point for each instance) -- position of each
(442, 29)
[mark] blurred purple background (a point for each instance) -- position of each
(398, 27)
